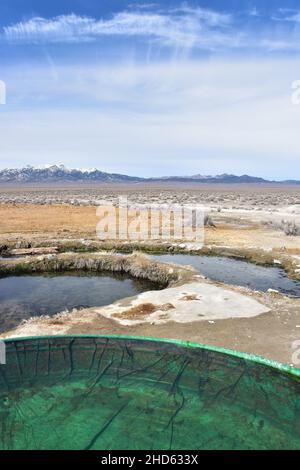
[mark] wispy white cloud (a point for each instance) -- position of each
(228, 113)
(184, 26)
(254, 12)
(181, 27)
(295, 17)
(61, 28)
(211, 116)
(209, 17)
(287, 14)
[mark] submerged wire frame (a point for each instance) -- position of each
(114, 392)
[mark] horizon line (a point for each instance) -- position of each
(161, 177)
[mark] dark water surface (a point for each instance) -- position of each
(22, 297)
(237, 272)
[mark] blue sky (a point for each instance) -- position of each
(151, 88)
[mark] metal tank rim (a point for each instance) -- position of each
(259, 360)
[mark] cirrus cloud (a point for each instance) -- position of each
(183, 26)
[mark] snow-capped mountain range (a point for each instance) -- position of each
(62, 174)
(58, 173)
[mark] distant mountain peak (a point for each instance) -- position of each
(59, 173)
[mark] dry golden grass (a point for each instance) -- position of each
(63, 221)
(190, 297)
(143, 310)
(30, 218)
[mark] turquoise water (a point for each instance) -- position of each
(116, 393)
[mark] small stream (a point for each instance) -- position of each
(240, 273)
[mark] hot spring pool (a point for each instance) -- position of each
(136, 393)
(22, 297)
